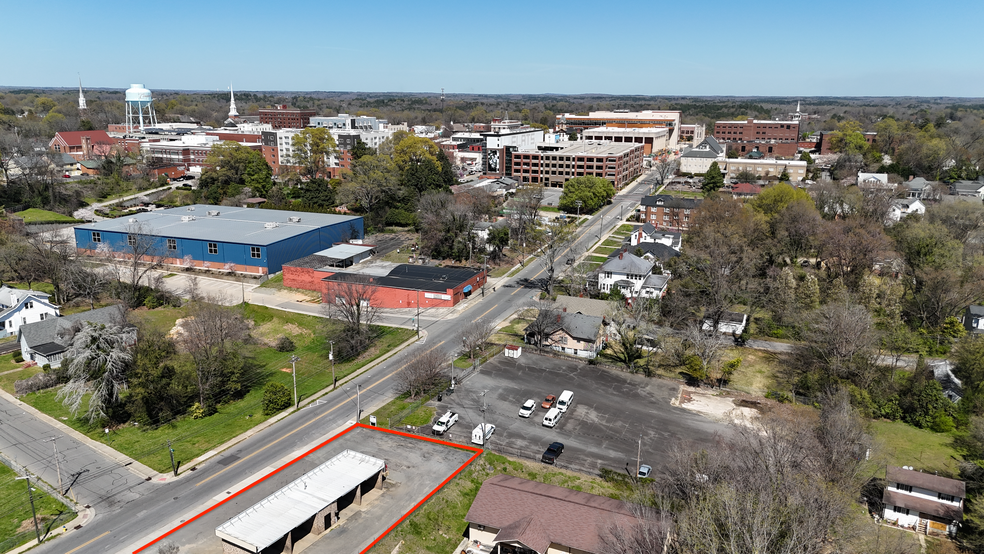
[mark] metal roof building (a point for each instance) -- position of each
(272, 521)
(227, 238)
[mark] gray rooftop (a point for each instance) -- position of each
(627, 263)
(232, 224)
(586, 306)
(579, 326)
(53, 332)
(656, 281)
(268, 520)
(344, 251)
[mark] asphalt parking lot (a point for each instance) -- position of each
(611, 412)
(416, 467)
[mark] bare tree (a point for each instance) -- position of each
(544, 319)
(423, 371)
(840, 339)
(706, 345)
(555, 253)
(525, 207)
(209, 334)
(52, 254)
(648, 531)
(663, 169)
(99, 360)
(476, 334)
(17, 260)
(142, 253)
(352, 300)
(84, 282)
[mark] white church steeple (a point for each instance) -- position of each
(82, 106)
(232, 103)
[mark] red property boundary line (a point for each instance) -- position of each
(477, 453)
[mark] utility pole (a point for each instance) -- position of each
(331, 356)
(293, 372)
(639, 456)
(578, 203)
(30, 494)
(418, 313)
(358, 403)
(57, 465)
(484, 407)
(174, 468)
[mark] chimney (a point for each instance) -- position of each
(565, 309)
(911, 177)
(86, 148)
(558, 318)
(620, 254)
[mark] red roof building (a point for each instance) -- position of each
(85, 145)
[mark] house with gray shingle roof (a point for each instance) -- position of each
(571, 333)
(973, 319)
(699, 158)
(625, 271)
(22, 307)
(968, 188)
(45, 342)
(649, 233)
(920, 188)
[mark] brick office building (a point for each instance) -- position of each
(282, 117)
(669, 212)
(669, 119)
(618, 163)
(771, 138)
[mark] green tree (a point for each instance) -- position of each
(313, 149)
(593, 192)
(713, 179)
(276, 397)
(370, 181)
(498, 240)
(361, 149)
(746, 176)
(806, 157)
(848, 138)
(773, 200)
(155, 396)
(229, 167)
(43, 105)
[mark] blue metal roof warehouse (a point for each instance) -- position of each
(223, 237)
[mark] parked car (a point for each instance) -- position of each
(644, 471)
(66, 176)
(446, 422)
(548, 402)
(552, 452)
(527, 409)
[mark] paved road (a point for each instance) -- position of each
(88, 213)
(120, 522)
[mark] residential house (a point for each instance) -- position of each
(943, 374)
(21, 307)
(656, 252)
(85, 145)
(571, 333)
(731, 323)
(917, 187)
(968, 188)
(973, 319)
(874, 181)
(585, 306)
(46, 341)
(511, 515)
(669, 212)
(699, 158)
(924, 502)
(654, 286)
(649, 233)
(627, 272)
(745, 190)
(904, 207)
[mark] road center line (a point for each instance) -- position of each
(490, 309)
(77, 548)
(232, 465)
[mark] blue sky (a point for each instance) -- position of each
(710, 47)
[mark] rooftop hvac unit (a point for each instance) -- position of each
(132, 220)
(191, 208)
(187, 218)
(213, 213)
(293, 219)
(271, 225)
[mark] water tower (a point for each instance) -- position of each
(139, 102)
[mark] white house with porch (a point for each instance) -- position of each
(21, 307)
(625, 272)
(926, 503)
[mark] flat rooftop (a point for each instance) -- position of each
(588, 148)
(413, 277)
(263, 523)
(232, 224)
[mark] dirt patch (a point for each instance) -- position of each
(271, 331)
(718, 407)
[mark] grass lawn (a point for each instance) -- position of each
(604, 250)
(499, 271)
(35, 215)
(613, 242)
(511, 333)
(902, 444)
(7, 379)
(624, 229)
(38, 286)
(420, 417)
(596, 259)
(685, 193)
(593, 266)
(759, 371)
(549, 209)
(17, 523)
(437, 526)
(192, 438)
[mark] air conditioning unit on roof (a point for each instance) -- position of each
(187, 218)
(132, 220)
(293, 219)
(271, 225)
(213, 213)
(191, 208)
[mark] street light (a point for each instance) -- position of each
(578, 203)
(30, 495)
(293, 372)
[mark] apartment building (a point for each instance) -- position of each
(555, 164)
(670, 120)
(770, 138)
(283, 117)
(669, 212)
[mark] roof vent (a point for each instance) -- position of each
(213, 213)
(293, 219)
(132, 220)
(191, 208)
(187, 218)
(271, 225)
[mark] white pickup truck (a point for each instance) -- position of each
(446, 422)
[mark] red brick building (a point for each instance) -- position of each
(823, 145)
(669, 212)
(86, 145)
(282, 117)
(619, 163)
(771, 138)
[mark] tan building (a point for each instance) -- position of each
(764, 168)
(653, 139)
(626, 120)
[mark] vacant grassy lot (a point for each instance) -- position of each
(16, 522)
(11, 371)
(35, 215)
(624, 229)
(612, 242)
(899, 444)
(193, 437)
(603, 250)
(437, 526)
(385, 415)
(760, 371)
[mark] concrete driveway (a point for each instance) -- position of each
(611, 411)
(228, 292)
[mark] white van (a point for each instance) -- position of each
(565, 401)
(552, 417)
(479, 437)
